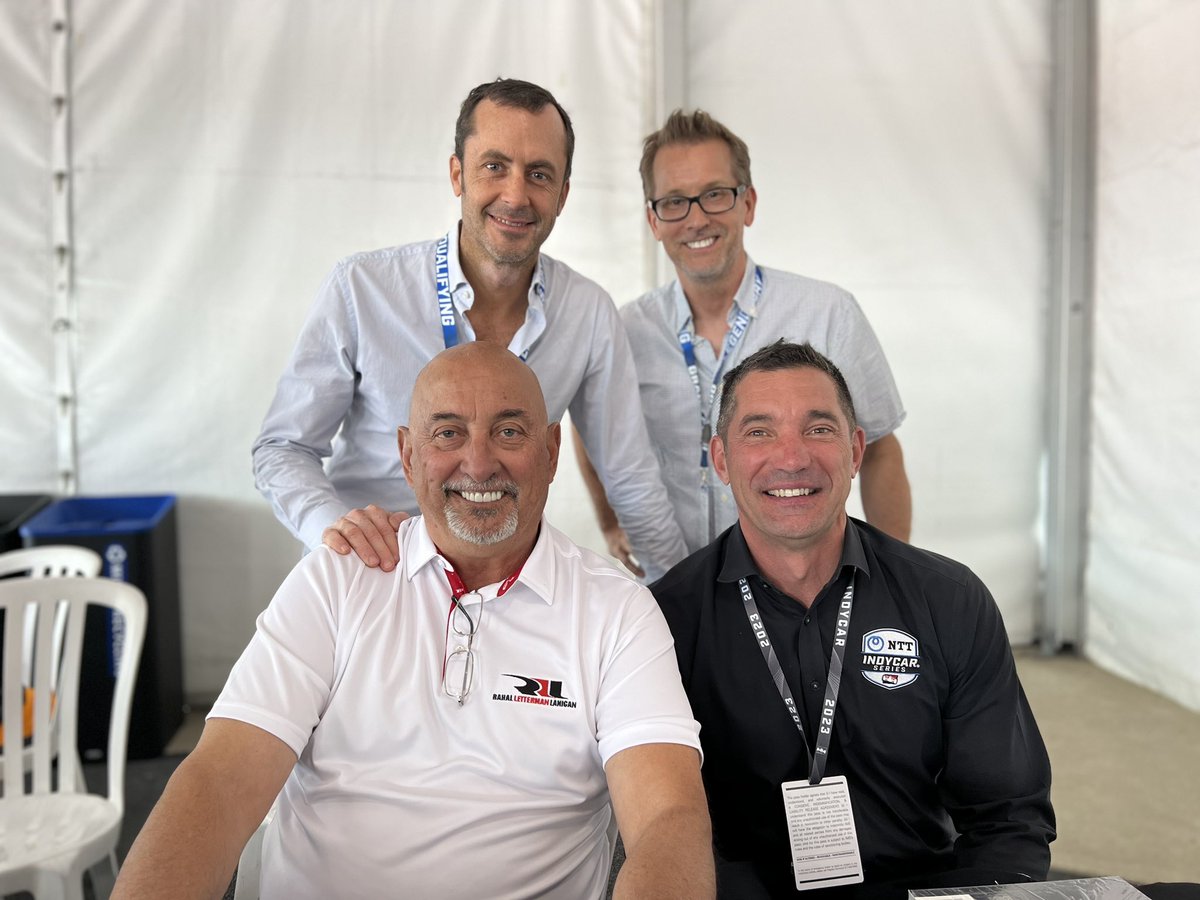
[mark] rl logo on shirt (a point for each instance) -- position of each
(539, 691)
(890, 658)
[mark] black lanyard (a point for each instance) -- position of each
(833, 682)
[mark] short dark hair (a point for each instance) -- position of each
(692, 128)
(773, 358)
(510, 92)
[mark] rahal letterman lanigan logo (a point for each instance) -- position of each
(890, 658)
(539, 691)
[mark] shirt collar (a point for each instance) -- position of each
(537, 286)
(743, 298)
(738, 563)
(457, 278)
(683, 312)
(536, 574)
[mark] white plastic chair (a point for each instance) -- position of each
(50, 561)
(51, 832)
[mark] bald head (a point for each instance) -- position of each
(477, 361)
(478, 450)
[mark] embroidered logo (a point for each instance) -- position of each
(890, 658)
(539, 691)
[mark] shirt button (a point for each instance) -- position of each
(807, 619)
(814, 685)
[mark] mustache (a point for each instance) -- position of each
(517, 214)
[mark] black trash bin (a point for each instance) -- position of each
(14, 510)
(136, 538)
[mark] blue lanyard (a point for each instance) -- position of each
(441, 280)
(445, 302)
(732, 339)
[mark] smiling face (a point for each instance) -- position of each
(512, 181)
(705, 248)
(789, 454)
(479, 453)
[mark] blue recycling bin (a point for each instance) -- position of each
(136, 537)
(14, 510)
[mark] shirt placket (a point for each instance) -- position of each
(814, 659)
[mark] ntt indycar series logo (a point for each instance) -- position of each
(890, 658)
(538, 691)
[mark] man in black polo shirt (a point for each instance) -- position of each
(928, 751)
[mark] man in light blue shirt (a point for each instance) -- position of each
(327, 444)
(720, 309)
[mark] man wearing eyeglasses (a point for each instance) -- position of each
(457, 727)
(720, 309)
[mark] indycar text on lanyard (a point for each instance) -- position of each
(819, 755)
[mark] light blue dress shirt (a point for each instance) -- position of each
(328, 442)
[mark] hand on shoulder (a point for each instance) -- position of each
(370, 533)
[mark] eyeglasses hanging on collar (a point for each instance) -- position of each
(459, 662)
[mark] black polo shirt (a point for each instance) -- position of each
(948, 775)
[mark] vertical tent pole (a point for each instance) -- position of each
(65, 318)
(1069, 336)
(667, 66)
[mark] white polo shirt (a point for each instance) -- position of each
(398, 790)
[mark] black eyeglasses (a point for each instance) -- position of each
(713, 201)
(458, 667)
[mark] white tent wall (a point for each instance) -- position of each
(902, 150)
(226, 153)
(27, 404)
(1143, 618)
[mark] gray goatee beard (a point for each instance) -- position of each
(482, 526)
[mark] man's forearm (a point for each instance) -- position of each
(1010, 833)
(605, 517)
(1010, 855)
(658, 798)
(299, 491)
(657, 540)
(186, 849)
(190, 844)
(673, 860)
(886, 496)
